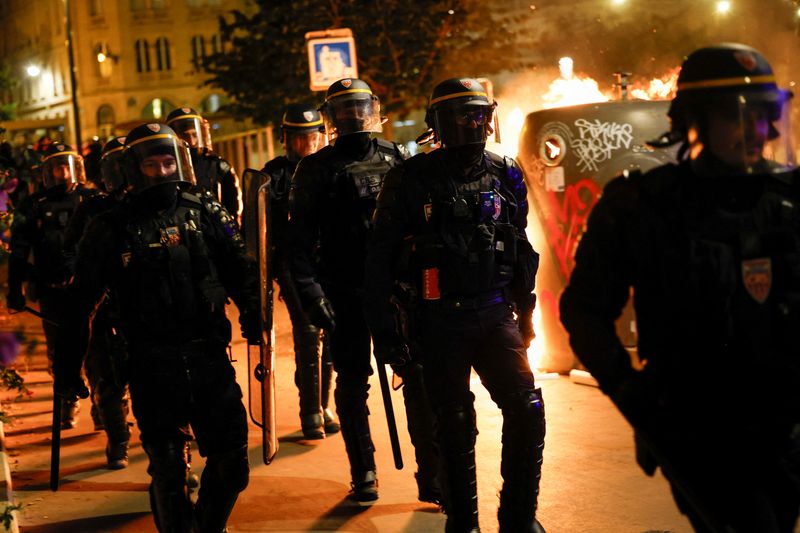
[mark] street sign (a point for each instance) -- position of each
(331, 57)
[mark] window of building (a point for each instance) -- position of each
(216, 44)
(162, 53)
(198, 51)
(157, 108)
(212, 103)
(137, 5)
(95, 8)
(105, 121)
(158, 4)
(142, 56)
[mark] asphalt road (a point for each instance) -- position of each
(590, 482)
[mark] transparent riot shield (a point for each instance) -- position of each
(261, 359)
(252, 180)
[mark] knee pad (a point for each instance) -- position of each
(231, 469)
(456, 429)
(351, 394)
(523, 413)
(168, 466)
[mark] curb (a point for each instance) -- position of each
(6, 489)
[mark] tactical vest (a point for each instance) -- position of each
(169, 289)
(52, 217)
(359, 182)
(470, 240)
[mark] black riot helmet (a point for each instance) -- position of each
(460, 113)
(154, 154)
(62, 165)
(301, 130)
(190, 126)
(110, 172)
(350, 107)
(728, 106)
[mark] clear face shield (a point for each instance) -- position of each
(751, 132)
(160, 159)
(464, 124)
(346, 116)
(110, 171)
(63, 169)
(194, 130)
(299, 144)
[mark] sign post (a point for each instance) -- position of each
(331, 57)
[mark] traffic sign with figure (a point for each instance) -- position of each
(331, 57)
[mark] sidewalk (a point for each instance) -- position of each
(590, 482)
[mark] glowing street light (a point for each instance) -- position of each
(101, 57)
(618, 2)
(723, 7)
(33, 71)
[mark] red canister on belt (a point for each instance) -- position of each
(430, 284)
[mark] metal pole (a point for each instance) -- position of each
(73, 78)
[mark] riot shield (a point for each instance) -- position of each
(252, 180)
(261, 361)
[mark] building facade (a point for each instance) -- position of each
(135, 60)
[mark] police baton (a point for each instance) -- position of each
(55, 447)
(386, 391)
(38, 314)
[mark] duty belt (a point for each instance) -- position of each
(486, 299)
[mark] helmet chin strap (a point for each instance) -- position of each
(354, 144)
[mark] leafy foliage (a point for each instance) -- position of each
(404, 49)
(7, 82)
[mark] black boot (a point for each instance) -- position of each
(351, 402)
(224, 477)
(456, 436)
(169, 497)
(326, 372)
(112, 404)
(523, 445)
(307, 379)
(69, 413)
(421, 430)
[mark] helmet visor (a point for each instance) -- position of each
(64, 168)
(302, 143)
(193, 130)
(158, 159)
(344, 116)
(110, 172)
(751, 132)
(463, 124)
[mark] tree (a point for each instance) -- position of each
(404, 49)
(7, 82)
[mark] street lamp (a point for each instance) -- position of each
(618, 2)
(33, 71)
(723, 7)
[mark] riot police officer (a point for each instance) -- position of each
(171, 261)
(302, 134)
(213, 173)
(38, 231)
(455, 219)
(331, 202)
(710, 247)
(106, 355)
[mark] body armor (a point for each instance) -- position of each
(167, 275)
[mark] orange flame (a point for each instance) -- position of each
(566, 90)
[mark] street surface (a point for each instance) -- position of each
(590, 482)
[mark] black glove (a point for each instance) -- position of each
(525, 324)
(321, 314)
(634, 397)
(392, 351)
(15, 301)
(70, 388)
(250, 321)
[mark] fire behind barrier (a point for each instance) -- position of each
(569, 154)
